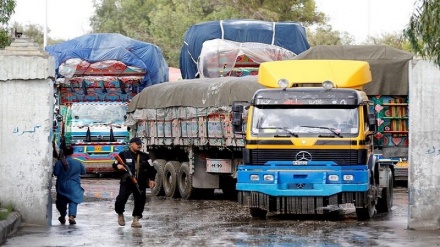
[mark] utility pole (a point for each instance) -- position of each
(368, 17)
(45, 24)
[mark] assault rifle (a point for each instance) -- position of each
(130, 175)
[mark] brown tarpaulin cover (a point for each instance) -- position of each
(389, 66)
(203, 92)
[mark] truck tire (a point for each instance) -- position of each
(386, 201)
(158, 190)
(367, 212)
(170, 179)
(184, 182)
(258, 213)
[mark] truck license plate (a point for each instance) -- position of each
(218, 165)
(299, 163)
(98, 148)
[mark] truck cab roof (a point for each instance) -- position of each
(342, 73)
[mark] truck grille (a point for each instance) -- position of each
(340, 157)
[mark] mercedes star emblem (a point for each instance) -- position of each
(303, 156)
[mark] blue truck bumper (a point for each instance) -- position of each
(310, 181)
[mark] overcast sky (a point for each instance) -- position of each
(362, 18)
(69, 19)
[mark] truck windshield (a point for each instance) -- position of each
(98, 114)
(339, 122)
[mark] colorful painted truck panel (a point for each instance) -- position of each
(97, 76)
(94, 108)
(97, 132)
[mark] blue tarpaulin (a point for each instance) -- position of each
(111, 46)
(288, 35)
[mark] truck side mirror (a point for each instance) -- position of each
(237, 117)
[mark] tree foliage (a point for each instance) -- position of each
(396, 40)
(6, 10)
(325, 35)
(164, 22)
(423, 31)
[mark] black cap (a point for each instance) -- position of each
(137, 140)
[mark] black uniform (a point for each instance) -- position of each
(146, 173)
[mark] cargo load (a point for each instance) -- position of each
(255, 41)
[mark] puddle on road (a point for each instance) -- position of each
(217, 222)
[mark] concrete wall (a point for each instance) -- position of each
(424, 147)
(26, 119)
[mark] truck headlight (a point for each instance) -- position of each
(333, 178)
(283, 83)
(348, 177)
(327, 85)
(254, 177)
(268, 177)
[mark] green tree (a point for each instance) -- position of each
(423, 30)
(178, 16)
(303, 11)
(6, 10)
(325, 35)
(128, 17)
(396, 40)
(164, 22)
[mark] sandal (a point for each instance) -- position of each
(72, 220)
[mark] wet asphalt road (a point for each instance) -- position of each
(216, 222)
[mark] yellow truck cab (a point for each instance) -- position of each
(308, 141)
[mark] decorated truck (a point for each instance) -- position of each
(186, 128)
(237, 47)
(388, 92)
(97, 75)
(309, 141)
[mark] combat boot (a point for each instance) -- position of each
(136, 223)
(121, 220)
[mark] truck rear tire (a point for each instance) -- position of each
(386, 201)
(158, 190)
(170, 179)
(184, 182)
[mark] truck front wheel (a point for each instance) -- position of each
(366, 212)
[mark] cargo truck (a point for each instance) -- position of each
(97, 75)
(186, 128)
(309, 141)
